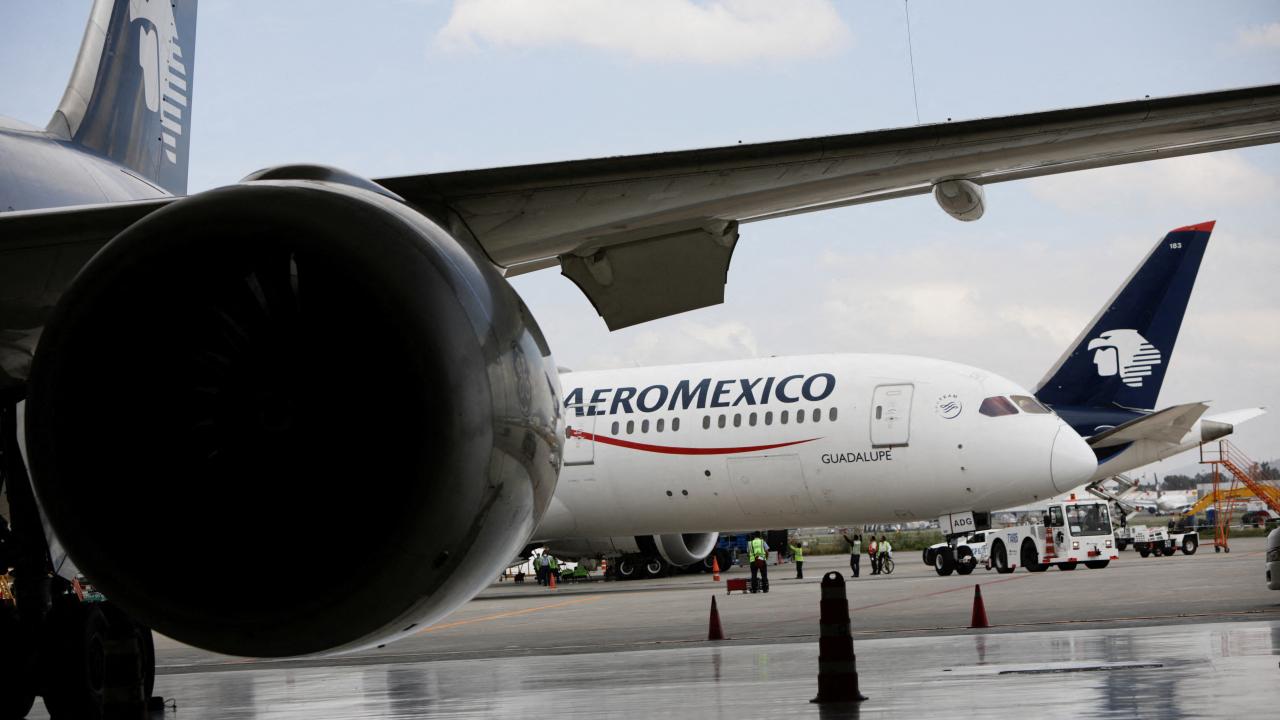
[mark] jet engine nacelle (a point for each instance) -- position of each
(677, 549)
(686, 548)
(961, 199)
(284, 382)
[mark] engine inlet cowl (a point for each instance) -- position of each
(307, 389)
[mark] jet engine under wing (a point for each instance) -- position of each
(1169, 425)
(619, 225)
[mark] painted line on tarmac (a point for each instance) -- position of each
(510, 614)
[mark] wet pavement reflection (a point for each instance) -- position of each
(1171, 671)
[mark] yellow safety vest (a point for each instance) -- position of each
(798, 551)
(757, 549)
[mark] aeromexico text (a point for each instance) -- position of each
(704, 393)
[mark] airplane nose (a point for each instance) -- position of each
(1072, 461)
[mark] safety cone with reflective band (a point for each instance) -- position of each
(837, 666)
(551, 575)
(1049, 550)
(715, 569)
(714, 631)
(979, 617)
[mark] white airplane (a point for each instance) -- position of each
(1117, 364)
(223, 379)
(680, 451)
(1156, 502)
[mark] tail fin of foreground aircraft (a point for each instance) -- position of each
(129, 97)
(1121, 358)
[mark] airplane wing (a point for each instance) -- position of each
(1169, 425)
(646, 236)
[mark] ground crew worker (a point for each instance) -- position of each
(758, 554)
(855, 551)
(544, 561)
(885, 548)
(553, 567)
(797, 553)
(873, 553)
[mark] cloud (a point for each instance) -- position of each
(1213, 180)
(713, 32)
(687, 341)
(1259, 36)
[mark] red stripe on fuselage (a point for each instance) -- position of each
(672, 450)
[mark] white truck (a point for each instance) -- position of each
(1069, 533)
(1157, 541)
(963, 554)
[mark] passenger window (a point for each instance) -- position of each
(993, 407)
(720, 422)
(817, 415)
(631, 426)
(782, 417)
(675, 424)
(799, 416)
(737, 419)
(644, 426)
(706, 422)
(831, 414)
(1029, 405)
(879, 409)
(614, 430)
(768, 418)
(661, 422)
(751, 419)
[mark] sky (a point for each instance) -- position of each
(410, 86)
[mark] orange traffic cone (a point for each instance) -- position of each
(714, 631)
(551, 575)
(715, 569)
(979, 618)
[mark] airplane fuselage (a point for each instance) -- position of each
(787, 442)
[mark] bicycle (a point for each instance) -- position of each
(886, 566)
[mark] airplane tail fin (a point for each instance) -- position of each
(1121, 357)
(129, 97)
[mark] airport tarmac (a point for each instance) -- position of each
(1168, 637)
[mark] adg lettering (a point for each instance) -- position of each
(700, 394)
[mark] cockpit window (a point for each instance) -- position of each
(1029, 405)
(997, 406)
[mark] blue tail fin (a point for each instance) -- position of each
(129, 98)
(1121, 358)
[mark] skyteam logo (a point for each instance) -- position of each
(164, 76)
(949, 406)
(1124, 353)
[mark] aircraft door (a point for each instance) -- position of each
(891, 415)
(579, 447)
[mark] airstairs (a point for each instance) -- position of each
(1246, 475)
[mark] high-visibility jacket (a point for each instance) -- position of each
(798, 551)
(885, 547)
(757, 549)
(554, 565)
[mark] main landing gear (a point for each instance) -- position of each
(87, 660)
